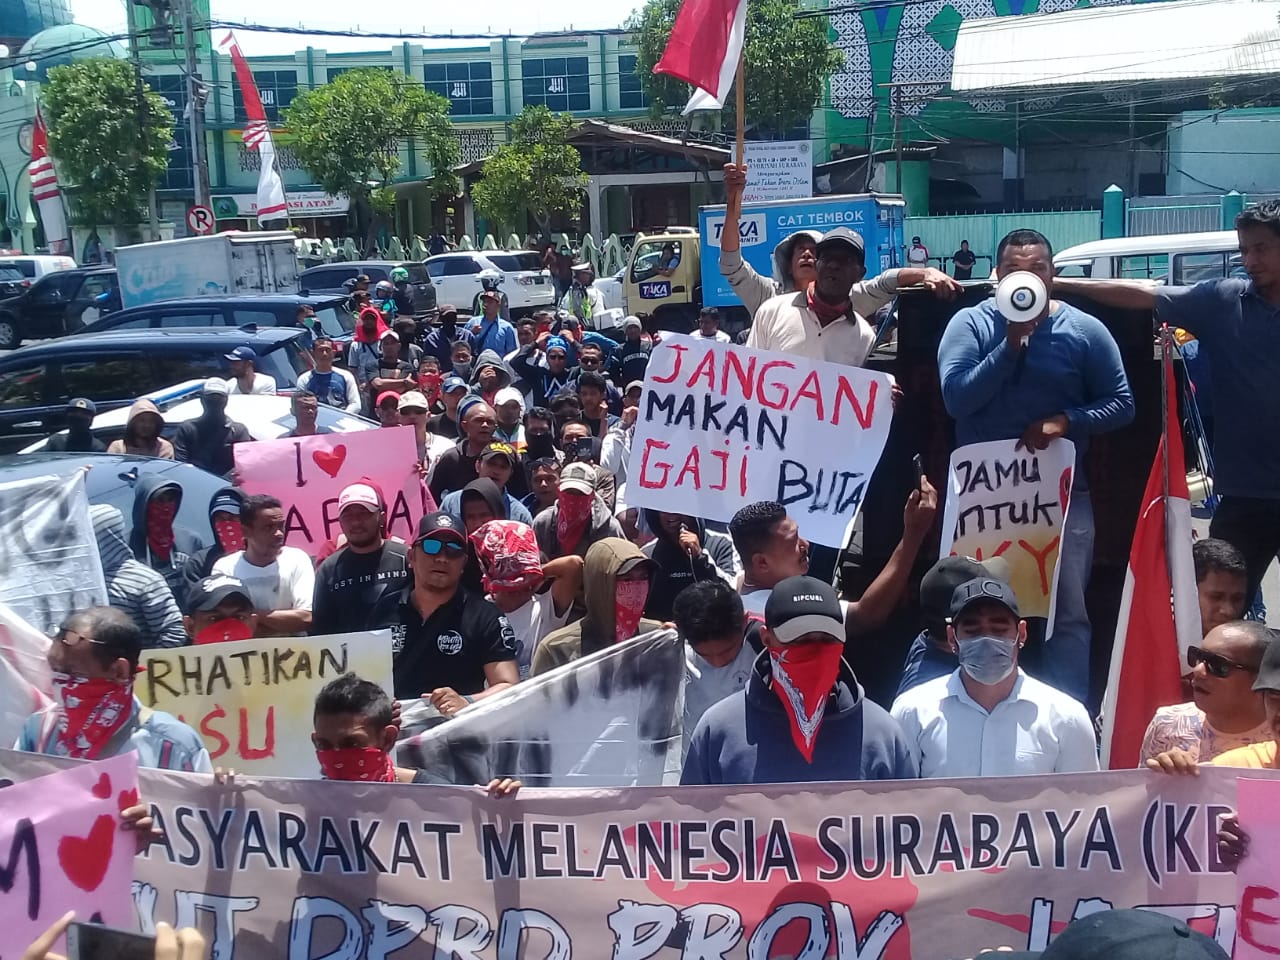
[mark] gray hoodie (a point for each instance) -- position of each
(490, 358)
(134, 587)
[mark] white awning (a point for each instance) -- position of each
(1188, 39)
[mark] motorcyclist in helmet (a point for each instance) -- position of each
(403, 295)
(491, 279)
(384, 298)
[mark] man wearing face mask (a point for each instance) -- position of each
(94, 659)
(206, 441)
(228, 537)
(220, 610)
(153, 539)
(988, 718)
(578, 518)
(78, 437)
(803, 717)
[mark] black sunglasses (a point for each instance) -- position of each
(1215, 663)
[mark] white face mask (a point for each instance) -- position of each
(987, 660)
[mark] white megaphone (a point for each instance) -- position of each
(1021, 298)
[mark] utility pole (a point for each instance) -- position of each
(153, 212)
(897, 135)
(196, 94)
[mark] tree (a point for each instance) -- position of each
(537, 174)
(348, 135)
(787, 63)
(109, 139)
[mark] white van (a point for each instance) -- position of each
(1176, 258)
(35, 267)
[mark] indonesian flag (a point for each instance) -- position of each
(257, 136)
(704, 49)
(1159, 610)
(44, 187)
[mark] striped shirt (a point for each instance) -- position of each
(134, 587)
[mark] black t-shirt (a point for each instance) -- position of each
(449, 649)
(65, 443)
(360, 591)
(442, 426)
(453, 471)
(964, 261)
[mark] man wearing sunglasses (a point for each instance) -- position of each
(1224, 713)
(450, 646)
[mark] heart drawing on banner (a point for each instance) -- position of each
(331, 461)
(84, 860)
(127, 799)
(102, 789)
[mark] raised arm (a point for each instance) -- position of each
(969, 377)
(1125, 294)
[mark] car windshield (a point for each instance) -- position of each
(284, 362)
(10, 274)
(335, 319)
(417, 272)
(516, 261)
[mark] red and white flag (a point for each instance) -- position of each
(272, 204)
(44, 187)
(1159, 610)
(704, 49)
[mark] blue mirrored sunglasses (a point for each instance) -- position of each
(433, 547)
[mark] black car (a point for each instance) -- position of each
(274, 310)
(115, 368)
(56, 304)
(330, 277)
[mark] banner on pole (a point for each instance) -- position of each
(722, 425)
(252, 700)
(778, 170)
(1005, 501)
(308, 473)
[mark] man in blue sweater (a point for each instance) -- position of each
(1058, 375)
(803, 717)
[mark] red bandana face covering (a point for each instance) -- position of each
(230, 535)
(221, 631)
(824, 311)
(572, 518)
(357, 764)
(629, 600)
(93, 710)
(509, 556)
(160, 527)
(803, 676)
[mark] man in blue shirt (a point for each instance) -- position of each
(491, 332)
(1237, 322)
(1059, 375)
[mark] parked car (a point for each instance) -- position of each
(116, 367)
(265, 417)
(54, 305)
(329, 279)
(1179, 258)
(36, 266)
(611, 288)
(274, 310)
(456, 277)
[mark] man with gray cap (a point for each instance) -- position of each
(207, 440)
(988, 718)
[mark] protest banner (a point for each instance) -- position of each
(1258, 875)
(64, 848)
(611, 719)
(49, 562)
(778, 170)
(1007, 502)
(252, 700)
(307, 474)
(722, 425)
(869, 871)
(26, 682)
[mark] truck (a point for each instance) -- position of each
(224, 264)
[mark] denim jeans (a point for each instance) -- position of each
(1066, 652)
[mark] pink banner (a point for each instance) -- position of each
(1258, 876)
(308, 473)
(65, 849)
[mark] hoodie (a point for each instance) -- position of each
(488, 491)
(159, 447)
(512, 509)
(674, 569)
(149, 487)
(604, 562)
(200, 563)
(602, 525)
(134, 587)
(506, 376)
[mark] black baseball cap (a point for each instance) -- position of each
(800, 605)
(206, 594)
(83, 403)
(983, 588)
(939, 584)
(1269, 669)
(1127, 935)
(441, 525)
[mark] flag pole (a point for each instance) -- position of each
(742, 108)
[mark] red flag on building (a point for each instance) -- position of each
(44, 187)
(272, 204)
(704, 49)
(1159, 610)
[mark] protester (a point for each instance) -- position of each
(1224, 713)
(516, 580)
(709, 326)
(78, 437)
(440, 341)
(305, 407)
(988, 718)
(394, 372)
(406, 328)
(490, 331)
(457, 466)
(142, 433)
(508, 407)
(333, 386)
(228, 537)
(364, 355)
(412, 410)
(578, 518)
(1058, 375)
(616, 580)
(280, 579)
(544, 382)
(450, 646)
(718, 658)
(243, 377)
(592, 391)
(615, 449)
(963, 259)
(544, 484)
(94, 658)
(1125, 935)
(134, 587)
(490, 374)
(206, 441)
(539, 434)
(399, 277)
(219, 609)
(802, 717)
(684, 552)
(1233, 319)
(591, 360)
(388, 408)
(152, 540)
(630, 361)
(496, 464)
(1222, 582)
(460, 359)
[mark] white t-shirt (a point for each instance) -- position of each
(286, 584)
(531, 623)
(263, 384)
(719, 336)
(705, 685)
(436, 447)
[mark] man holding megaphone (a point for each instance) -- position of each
(1022, 366)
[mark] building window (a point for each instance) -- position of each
(277, 89)
(630, 93)
(468, 85)
(557, 83)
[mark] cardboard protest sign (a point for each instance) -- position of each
(49, 562)
(611, 719)
(64, 848)
(1258, 875)
(26, 683)
(1011, 503)
(308, 473)
(251, 700)
(721, 425)
(865, 871)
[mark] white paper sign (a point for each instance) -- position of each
(778, 170)
(722, 426)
